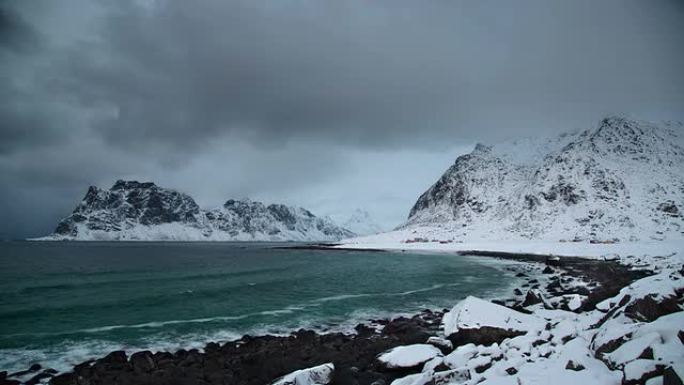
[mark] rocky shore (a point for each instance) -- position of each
(433, 347)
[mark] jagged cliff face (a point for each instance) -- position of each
(623, 179)
(144, 211)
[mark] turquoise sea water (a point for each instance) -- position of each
(65, 302)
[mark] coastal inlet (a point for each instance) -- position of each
(66, 302)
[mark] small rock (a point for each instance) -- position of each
(670, 377)
(532, 298)
(571, 365)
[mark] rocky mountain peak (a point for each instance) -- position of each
(624, 178)
(131, 184)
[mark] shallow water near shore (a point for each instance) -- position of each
(63, 303)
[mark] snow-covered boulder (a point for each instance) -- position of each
(409, 356)
(317, 375)
(484, 323)
(442, 343)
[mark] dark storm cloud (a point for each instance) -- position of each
(379, 73)
(371, 73)
(277, 97)
(15, 33)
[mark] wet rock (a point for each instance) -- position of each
(64, 379)
(116, 357)
(142, 362)
(364, 330)
(547, 270)
(38, 377)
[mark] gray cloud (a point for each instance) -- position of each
(281, 100)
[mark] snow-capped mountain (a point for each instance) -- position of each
(361, 223)
(623, 179)
(133, 210)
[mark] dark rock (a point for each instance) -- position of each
(482, 368)
(572, 365)
(364, 330)
(64, 379)
(344, 376)
(647, 309)
(547, 270)
(116, 357)
(517, 291)
(485, 335)
(647, 353)
(658, 371)
(532, 298)
(38, 378)
(511, 371)
(212, 347)
(670, 377)
(142, 361)
(554, 286)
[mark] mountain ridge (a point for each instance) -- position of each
(132, 210)
(623, 179)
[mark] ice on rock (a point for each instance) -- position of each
(317, 375)
(408, 356)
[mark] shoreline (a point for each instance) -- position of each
(248, 356)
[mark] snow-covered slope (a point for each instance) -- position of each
(623, 179)
(360, 222)
(133, 210)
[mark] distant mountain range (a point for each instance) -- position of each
(132, 210)
(623, 179)
(361, 223)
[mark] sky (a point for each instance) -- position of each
(330, 105)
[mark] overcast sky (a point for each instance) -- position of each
(331, 105)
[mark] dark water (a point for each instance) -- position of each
(63, 303)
